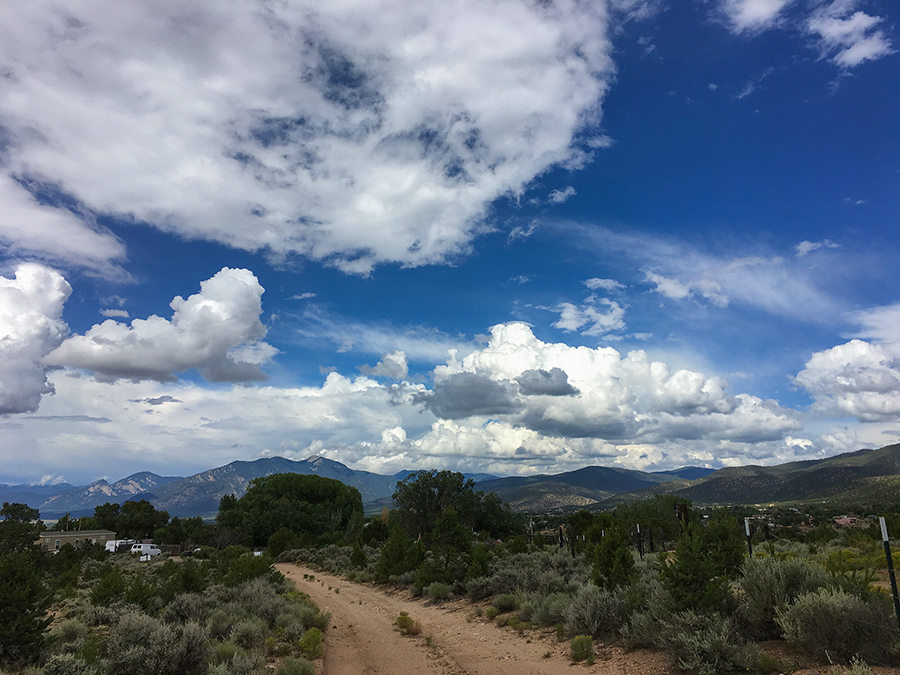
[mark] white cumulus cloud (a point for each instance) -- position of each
(217, 331)
(31, 326)
(611, 398)
(752, 15)
(352, 132)
(393, 365)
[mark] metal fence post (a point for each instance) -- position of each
(749, 540)
(890, 564)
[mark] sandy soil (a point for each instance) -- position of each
(362, 639)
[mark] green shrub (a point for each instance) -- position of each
(595, 611)
(769, 585)
(540, 572)
(184, 608)
(310, 616)
(708, 644)
(491, 613)
(191, 654)
(259, 597)
(220, 623)
(407, 625)
(311, 643)
(551, 609)
(248, 567)
(240, 663)
(67, 664)
(140, 643)
(290, 626)
(224, 652)
(249, 633)
(506, 602)
(582, 647)
(831, 623)
(437, 590)
(295, 666)
(69, 635)
(111, 586)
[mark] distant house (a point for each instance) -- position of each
(53, 541)
(846, 520)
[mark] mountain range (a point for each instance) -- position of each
(863, 475)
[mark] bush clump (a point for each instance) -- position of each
(769, 584)
(582, 648)
(407, 625)
(311, 643)
(708, 644)
(437, 591)
(295, 666)
(506, 602)
(831, 623)
(595, 611)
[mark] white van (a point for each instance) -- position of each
(145, 549)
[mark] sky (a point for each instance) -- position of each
(513, 237)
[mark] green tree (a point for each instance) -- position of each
(319, 510)
(400, 554)
(140, 519)
(449, 542)
(23, 597)
(693, 577)
(106, 517)
(495, 517)
(613, 563)
(422, 496)
(282, 539)
(375, 532)
(724, 544)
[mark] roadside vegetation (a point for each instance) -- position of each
(656, 574)
(216, 611)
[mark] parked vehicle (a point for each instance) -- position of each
(145, 549)
(119, 545)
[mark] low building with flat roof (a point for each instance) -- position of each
(53, 541)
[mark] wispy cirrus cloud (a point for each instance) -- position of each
(847, 36)
(842, 32)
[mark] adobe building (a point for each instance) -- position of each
(53, 541)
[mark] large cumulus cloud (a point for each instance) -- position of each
(516, 405)
(353, 132)
(31, 325)
(217, 331)
(857, 379)
(581, 392)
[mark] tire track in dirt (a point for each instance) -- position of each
(361, 638)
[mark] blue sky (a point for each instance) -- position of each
(512, 237)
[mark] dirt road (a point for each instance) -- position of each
(362, 640)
